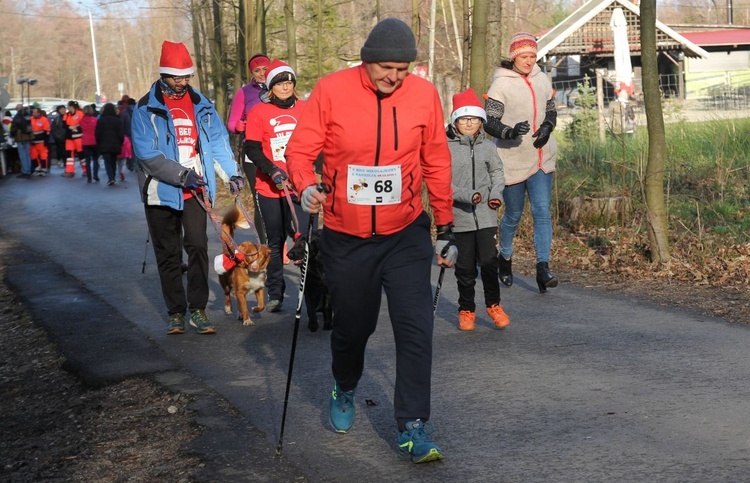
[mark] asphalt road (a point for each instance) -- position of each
(583, 385)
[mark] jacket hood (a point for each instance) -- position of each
(503, 72)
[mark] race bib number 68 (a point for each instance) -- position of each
(374, 185)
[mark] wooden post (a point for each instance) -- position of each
(600, 102)
(681, 79)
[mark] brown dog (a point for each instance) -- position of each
(249, 273)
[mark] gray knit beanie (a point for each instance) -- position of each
(391, 40)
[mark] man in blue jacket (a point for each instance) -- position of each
(178, 139)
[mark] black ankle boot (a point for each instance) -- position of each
(544, 279)
(504, 268)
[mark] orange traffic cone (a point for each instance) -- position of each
(70, 168)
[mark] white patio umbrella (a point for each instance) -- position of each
(623, 67)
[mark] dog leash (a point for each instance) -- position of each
(225, 238)
(288, 196)
(241, 206)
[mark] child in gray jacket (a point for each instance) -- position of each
(478, 184)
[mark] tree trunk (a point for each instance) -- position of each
(478, 62)
(493, 52)
(195, 11)
(241, 72)
(217, 62)
(319, 34)
(466, 72)
(415, 23)
(260, 25)
(251, 30)
(654, 183)
(291, 35)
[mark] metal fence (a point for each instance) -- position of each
(718, 98)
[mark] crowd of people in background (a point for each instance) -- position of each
(70, 137)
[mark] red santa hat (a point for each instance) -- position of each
(175, 59)
(224, 263)
(277, 67)
(467, 104)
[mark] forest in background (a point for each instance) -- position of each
(51, 41)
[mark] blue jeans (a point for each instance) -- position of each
(25, 156)
(539, 187)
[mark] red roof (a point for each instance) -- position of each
(719, 37)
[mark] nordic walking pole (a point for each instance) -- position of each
(145, 252)
(437, 291)
(297, 317)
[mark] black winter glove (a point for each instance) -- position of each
(192, 180)
(542, 135)
(520, 129)
(445, 245)
(278, 176)
(236, 183)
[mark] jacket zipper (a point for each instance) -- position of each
(540, 153)
(395, 130)
(474, 186)
(333, 203)
(377, 156)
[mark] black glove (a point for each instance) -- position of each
(542, 135)
(476, 198)
(520, 129)
(236, 183)
(278, 176)
(445, 246)
(192, 180)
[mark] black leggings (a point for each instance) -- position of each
(250, 172)
(277, 218)
(477, 247)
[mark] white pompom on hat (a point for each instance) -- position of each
(277, 67)
(467, 104)
(175, 59)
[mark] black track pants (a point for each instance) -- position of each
(357, 271)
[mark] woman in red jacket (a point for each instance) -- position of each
(269, 126)
(90, 152)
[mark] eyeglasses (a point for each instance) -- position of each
(181, 78)
(468, 120)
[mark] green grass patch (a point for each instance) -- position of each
(707, 174)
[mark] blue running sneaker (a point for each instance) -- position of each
(416, 442)
(342, 409)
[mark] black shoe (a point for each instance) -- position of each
(504, 267)
(544, 279)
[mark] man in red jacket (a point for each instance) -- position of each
(381, 134)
